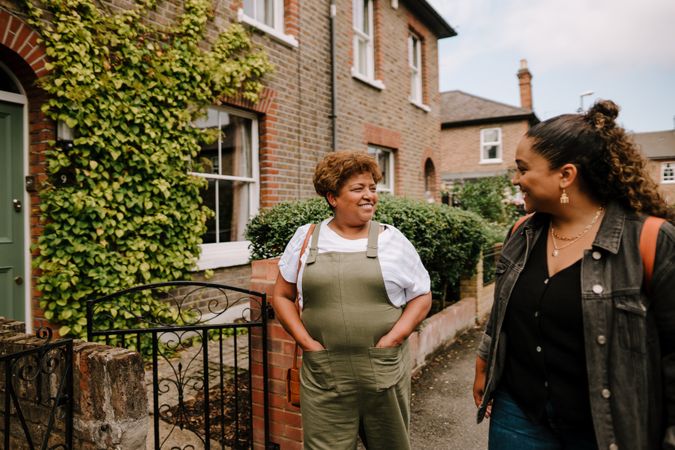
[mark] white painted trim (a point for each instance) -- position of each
(499, 143)
(284, 38)
(422, 106)
(224, 254)
(670, 164)
(377, 84)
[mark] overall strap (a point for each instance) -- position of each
(314, 245)
(648, 237)
(373, 234)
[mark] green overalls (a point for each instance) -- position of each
(347, 309)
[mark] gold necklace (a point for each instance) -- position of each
(572, 240)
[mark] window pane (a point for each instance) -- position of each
(230, 155)
(268, 17)
(491, 135)
(249, 6)
(362, 57)
(365, 24)
(209, 199)
(229, 200)
(490, 151)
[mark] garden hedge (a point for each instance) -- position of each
(448, 240)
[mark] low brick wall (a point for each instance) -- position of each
(433, 333)
(110, 404)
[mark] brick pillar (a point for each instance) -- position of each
(285, 424)
(472, 287)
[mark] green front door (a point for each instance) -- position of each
(12, 276)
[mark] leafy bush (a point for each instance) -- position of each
(488, 197)
(448, 240)
(119, 205)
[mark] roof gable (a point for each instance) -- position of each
(656, 144)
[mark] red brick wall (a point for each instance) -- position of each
(294, 113)
(461, 147)
(363, 108)
(667, 189)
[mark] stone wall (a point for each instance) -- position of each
(110, 408)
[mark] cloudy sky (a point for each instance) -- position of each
(622, 50)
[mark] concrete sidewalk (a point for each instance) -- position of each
(443, 411)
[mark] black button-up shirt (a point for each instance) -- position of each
(545, 347)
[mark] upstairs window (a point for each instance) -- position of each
(267, 16)
(491, 145)
(266, 12)
(668, 172)
(364, 54)
(385, 159)
(415, 64)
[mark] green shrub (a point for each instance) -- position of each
(448, 240)
(488, 198)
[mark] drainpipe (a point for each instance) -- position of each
(333, 75)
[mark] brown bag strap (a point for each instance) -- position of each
(297, 300)
(519, 222)
(648, 237)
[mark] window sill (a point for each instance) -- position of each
(491, 161)
(285, 39)
(667, 181)
(377, 84)
(226, 254)
(421, 106)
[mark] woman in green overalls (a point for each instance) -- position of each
(363, 290)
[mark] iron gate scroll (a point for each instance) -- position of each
(197, 350)
(37, 395)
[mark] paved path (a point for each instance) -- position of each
(443, 412)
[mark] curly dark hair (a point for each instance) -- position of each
(336, 168)
(609, 163)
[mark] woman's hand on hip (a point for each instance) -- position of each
(479, 384)
(312, 346)
(387, 341)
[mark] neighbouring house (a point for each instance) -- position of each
(659, 148)
(354, 74)
(479, 136)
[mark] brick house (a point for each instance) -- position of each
(479, 136)
(659, 148)
(381, 97)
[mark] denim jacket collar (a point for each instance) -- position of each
(609, 234)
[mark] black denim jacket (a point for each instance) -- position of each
(629, 335)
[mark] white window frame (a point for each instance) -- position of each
(415, 65)
(375, 151)
(226, 254)
(484, 143)
(668, 167)
(368, 74)
(277, 30)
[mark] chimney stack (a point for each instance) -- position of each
(525, 82)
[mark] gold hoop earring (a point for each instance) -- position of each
(564, 198)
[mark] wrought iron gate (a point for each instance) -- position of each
(37, 395)
(193, 347)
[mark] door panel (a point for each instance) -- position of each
(12, 286)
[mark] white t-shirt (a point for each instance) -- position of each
(404, 275)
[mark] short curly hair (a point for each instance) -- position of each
(336, 168)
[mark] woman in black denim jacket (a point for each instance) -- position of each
(578, 353)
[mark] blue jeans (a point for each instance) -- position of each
(510, 429)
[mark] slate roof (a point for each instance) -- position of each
(459, 108)
(656, 144)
